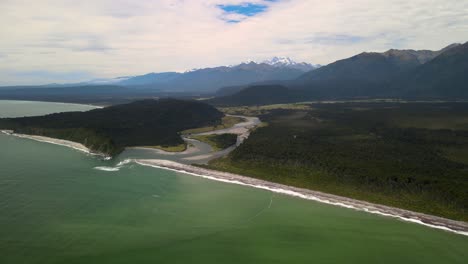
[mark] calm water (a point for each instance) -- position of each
(56, 207)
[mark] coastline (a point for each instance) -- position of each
(436, 222)
(431, 221)
(55, 102)
(55, 141)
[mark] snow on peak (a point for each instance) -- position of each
(289, 63)
(280, 61)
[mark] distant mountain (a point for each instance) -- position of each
(151, 78)
(373, 66)
(287, 62)
(211, 79)
(278, 62)
(103, 81)
(262, 95)
(206, 80)
(445, 76)
(394, 73)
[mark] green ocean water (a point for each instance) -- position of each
(56, 207)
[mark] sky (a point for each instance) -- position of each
(63, 41)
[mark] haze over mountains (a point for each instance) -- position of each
(374, 66)
(210, 79)
(408, 74)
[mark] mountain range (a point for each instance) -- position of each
(407, 74)
(411, 74)
(211, 79)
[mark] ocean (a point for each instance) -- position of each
(60, 205)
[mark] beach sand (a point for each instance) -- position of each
(56, 141)
(458, 227)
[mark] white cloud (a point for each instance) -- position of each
(108, 38)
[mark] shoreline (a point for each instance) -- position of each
(458, 227)
(195, 153)
(55, 102)
(55, 141)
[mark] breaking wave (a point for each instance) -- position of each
(116, 168)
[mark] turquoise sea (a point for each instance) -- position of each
(57, 205)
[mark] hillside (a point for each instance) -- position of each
(261, 95)
(197, 82)
(374, 66)
(109, 130)
(446, 76)
(407, 74)
(211, 79)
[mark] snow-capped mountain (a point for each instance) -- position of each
(289, 63)
(283, 62)
(280, 61)
(210, 79)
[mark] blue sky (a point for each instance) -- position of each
(236, 13)
(248, 9)
(66, 41)
(244, 10)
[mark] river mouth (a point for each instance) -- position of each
(63, 206)
(198, 152)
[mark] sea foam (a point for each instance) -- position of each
(104, 168)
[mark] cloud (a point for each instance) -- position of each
(42, 76)
(335, 39)
(108, 38)
(72, 42)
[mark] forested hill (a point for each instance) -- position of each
(109, 130)
(405, 74)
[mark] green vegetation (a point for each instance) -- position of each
(109, 130)
(177, 148)
(360, 150)
(262, 109)
(218, 142)
(55, 208)
(226, 122)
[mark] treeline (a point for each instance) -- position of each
(362, 151)
(218, 142)
(111, 129)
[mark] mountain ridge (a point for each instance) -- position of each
(408, 74)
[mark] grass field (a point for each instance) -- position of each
(413, 156)
(262, 109)
(178, 148)
(226, 122)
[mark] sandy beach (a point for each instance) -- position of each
(405, 215)
(55, 141)
(458, 227)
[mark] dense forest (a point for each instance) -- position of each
(109, 130)
(218, 141)
(413, 156)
